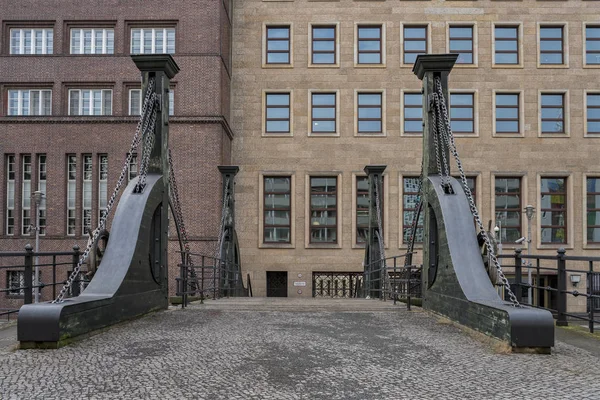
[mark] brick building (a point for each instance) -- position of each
(70, 96)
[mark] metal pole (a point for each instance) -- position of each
(529, 209)
(37, 198)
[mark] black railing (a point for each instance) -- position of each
(390, 279)
(336, 285)
(18, 270)
(209, 277)
(551, 278)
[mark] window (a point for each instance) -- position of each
(553, 113)
(592, 45)
(413, 113)
(92, 41)
(16, 283)
(10, 194)
(277, 209)
(132, 171)
(593, 210)
(370, 112)
(362, 209)
(71, 193)
(277, 113)
(87, 194)
(30, 102)
(278, 45)
(135, 102)
(410, 194)
(323, 209)
(102, 185)
(461, 43)
(26, 196)
(323, 113)
(90, 102)
(506, 44)
(592, 112)
(415, 42)
(507, 113)
(31, 41)
(152, 40)
(462, 112)
(508, 208)
(551, 45)
(323, 50)
(370, 44)
(553, 216)
(41, 210)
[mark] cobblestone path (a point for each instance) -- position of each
(293, 351)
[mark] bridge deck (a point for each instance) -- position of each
(289, 349)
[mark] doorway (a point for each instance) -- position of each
(276, 283)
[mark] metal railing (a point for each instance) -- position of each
(549, 284)
(211, 278)
(390, 279)
(18, 269)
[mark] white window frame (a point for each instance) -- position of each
(25, 96)
(10, 194)
(78, 47)
(565, 44)
(521, 95)
(90, 108)
(47, 45)
(86, 205)
(165, 48)
(519, 26)
(71, 193)
(26, 194)
(566, 108)
(138, 92)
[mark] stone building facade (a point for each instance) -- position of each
(322, 88)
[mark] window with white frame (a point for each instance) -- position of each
(26, 195)
(102, 185)
(31, 40)
(10, 194)
(135, 102)
(92, 41)
(29, 102)
(90, 102)
(132, 170)
(41, 209)
(86, 225)
(71, 193)
(152, 40)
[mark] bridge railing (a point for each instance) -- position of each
(17, 277)
(555, 278)
(209, 277)
(389, 278)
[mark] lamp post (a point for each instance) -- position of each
(37, 198)
(529, 210)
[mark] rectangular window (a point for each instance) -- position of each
(277, 209)
(507, 113)
(277, 113)
(31, 41)
(87, 194)
(153, 40)
(508, 208)
(592, 44)
(90, 102)
(132, 171)
(362, 209)
(551, 45)
(323, 209)
(370, 113)
(369, 44)
(92, 41)
(415, 42)
(461, 43)
(41, 210)
(413, 113)
(462, 112)
(71, 193)
(410, 194)
(323, 45)
(30, 102)
(506, 43)
(278, 45)
(553, 216)
(323, 112)
(26, 196)
(593, 210)
(593, 112)
(16, 282)
(135, 102)
(102, 185)
(10, 195)
(553, 113)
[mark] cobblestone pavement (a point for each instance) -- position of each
(293, 351)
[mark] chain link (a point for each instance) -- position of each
(142, 126)
(452, 146)
(379, 233)
(147, 148)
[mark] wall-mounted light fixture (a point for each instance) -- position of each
(575, 279)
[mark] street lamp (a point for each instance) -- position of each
(529, 210)
(37, 199)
